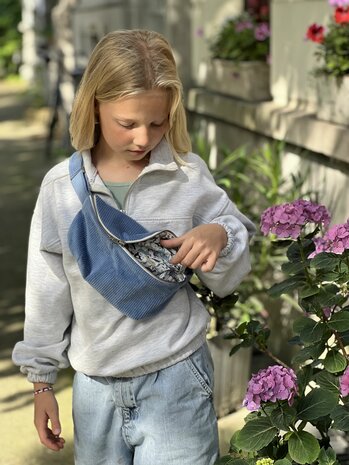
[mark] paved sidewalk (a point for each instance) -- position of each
(23, 164)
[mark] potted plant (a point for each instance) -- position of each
(239, 64)
(297, 410)
(332, 74)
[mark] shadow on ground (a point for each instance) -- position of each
(42, 456)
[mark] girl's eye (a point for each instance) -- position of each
(132, 125)
(126, 125)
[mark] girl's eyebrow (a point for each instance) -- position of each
(128, 121)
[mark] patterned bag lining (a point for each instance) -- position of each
(156, 258)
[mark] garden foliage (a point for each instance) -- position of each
(296, 410)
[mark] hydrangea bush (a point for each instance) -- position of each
(296, 410)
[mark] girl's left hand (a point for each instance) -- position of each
(199, 247)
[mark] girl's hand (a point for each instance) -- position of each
(199, 247)
(45, 410)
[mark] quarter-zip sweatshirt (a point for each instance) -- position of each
(67, 322)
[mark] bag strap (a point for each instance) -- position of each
(78, 176)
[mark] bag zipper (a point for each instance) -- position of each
(123, 243)
(112, 235)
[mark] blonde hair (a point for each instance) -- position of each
(123, 63)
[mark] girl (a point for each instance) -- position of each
(142, 390)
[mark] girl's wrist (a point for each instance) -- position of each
(41, 385)
(40, 388)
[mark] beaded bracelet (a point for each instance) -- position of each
(44, 389)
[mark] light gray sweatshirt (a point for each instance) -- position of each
(69, 323)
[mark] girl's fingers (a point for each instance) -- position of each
(172, 243)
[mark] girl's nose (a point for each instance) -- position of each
(141, 136)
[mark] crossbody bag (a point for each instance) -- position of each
(118, 257)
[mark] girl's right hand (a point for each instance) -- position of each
(45, 410)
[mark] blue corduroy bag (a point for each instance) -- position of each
(118, 257)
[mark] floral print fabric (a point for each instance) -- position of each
(156, 258)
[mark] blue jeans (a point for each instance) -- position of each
(166, 417)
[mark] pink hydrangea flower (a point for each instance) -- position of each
(288, 219)
(335, 240)
(269, 385)
(344, 383)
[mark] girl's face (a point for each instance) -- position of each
(132, 126)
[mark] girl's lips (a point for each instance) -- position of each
(138, 151)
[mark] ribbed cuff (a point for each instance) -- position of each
(49, 378)
(230, 239)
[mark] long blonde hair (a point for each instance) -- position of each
(128, 62)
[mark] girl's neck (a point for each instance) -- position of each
(114, 169)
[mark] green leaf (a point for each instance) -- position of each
(334, 361)
(304, 376)
(327, 456)
(308, 291)
(313, 332)
(285, 286)
(339, 321)
(292, 268)
(227, 460)
(340, 417)
(233, 439)
(303, 447)
(308, 353)
(325, 261)
(300, 324)
(345, 338)
(236, 347)
(328, 275)
(283, 462)
(327, 381)
(308, 329)
(294, 252)
(317, 403)
(256, 434)
(329, 296)
(283, 416)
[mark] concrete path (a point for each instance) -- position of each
(22, 166)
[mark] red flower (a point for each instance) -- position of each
(341, 15)
(264, 11)
(316, 33)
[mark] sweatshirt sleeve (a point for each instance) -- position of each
(48, 306)
(233, 264)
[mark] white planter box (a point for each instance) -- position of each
(247, 80)
(231, 375)
(333, 99)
